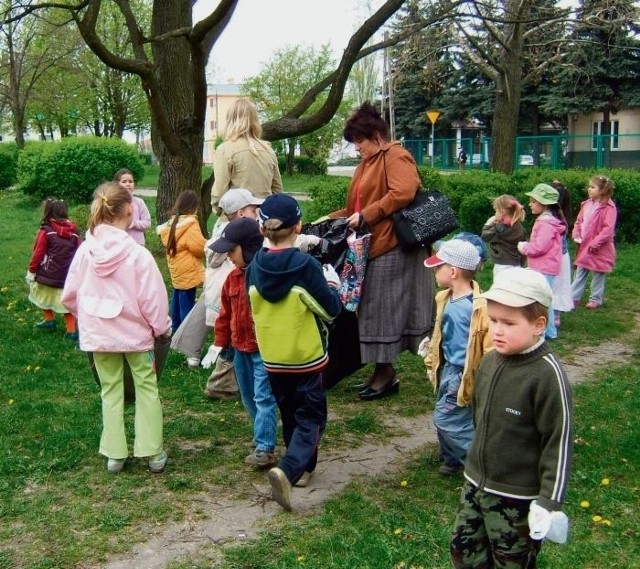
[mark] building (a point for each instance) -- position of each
(220, 96)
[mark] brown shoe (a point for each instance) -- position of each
(221, 395)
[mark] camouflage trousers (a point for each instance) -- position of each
(492, 532)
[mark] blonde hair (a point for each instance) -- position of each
(109, 203)
(243, 122)
(604, 184)
(509, 206)
(272, 230)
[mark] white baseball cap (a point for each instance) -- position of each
(236, 198)
(457, 253)
(519, 287)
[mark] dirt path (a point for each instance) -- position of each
(232, 522)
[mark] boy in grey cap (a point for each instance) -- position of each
(460, 339)
(518, 465)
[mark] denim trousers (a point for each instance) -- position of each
(148, 410)
(454, 425)
(551, 331)
(580, 282)
(302, 401)
(182, 301)
(255, 391)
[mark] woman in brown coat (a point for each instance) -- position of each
(397, 305)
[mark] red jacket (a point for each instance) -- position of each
(234, 325)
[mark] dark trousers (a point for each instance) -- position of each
(182, 301)
(303, 409)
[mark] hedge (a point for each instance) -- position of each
(471, 192)
(72, 168)
(8, 164)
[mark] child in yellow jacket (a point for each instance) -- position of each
(460, 339)
(183, 239)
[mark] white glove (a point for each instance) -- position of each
(521, 246)
(211, 356)
(305, 242)
(543, 523)
(539, 520)
(30, 277)
(330, 275)
(577, 240)
(423, 348)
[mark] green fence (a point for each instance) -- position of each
(558, 151)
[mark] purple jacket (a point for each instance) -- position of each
(544, 249)
(596, 252)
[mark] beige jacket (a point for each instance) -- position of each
(235, 166)
(478, 345)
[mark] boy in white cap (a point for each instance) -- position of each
(460, 339)
(519, 462)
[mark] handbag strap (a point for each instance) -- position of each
(386, 180)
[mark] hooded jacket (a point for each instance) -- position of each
(56, 244)
(290, 301)
(596, 229)
(185, 267)
(503, 239)
(544, 249)
(116, 291)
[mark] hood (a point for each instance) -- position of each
(553, 220)
(108, 246)
(65, 228)
(275, 282)
(184, 222)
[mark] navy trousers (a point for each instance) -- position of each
(302, 402)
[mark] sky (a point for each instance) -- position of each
(260, 27)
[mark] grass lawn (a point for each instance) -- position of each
(60, 508)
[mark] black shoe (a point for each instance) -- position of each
(390, 388)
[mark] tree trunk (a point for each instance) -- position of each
(18, 125)
(291, 152)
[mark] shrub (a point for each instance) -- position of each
(80, 215)
(329, 194)
(8, 164)
(72, 168)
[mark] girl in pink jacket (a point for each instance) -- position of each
(544, 248)
(593, 232)
(116, 291)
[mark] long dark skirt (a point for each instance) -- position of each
(397, 307)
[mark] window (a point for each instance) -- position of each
(212, 125)
(596, 132)
(211, 102)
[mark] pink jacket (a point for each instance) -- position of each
(596, 252)
(141, 220)
(544, 249)
(116, 291)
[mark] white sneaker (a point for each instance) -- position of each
(193, 363)
(303, 482)
(115, 465)
(158, 462)
(280, 488)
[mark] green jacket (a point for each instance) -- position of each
(523, 420)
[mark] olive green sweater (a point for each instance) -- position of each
(523, 420)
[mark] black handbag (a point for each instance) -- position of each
(426, 219)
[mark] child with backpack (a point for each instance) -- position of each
(55, 245)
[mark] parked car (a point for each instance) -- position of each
(526, 160)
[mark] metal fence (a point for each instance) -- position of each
(557, 151)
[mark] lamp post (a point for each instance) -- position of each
(433, 117)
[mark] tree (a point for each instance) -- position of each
(363, 80)
(26, 57)
(280, 84)
(601, 70)
(170, 58)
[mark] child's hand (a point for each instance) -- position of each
(211, 356)
(521, 246)
(330, 275)
(577, 240)
(30, 277)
